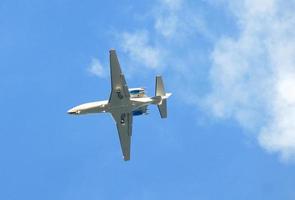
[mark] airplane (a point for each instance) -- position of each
(124, 103)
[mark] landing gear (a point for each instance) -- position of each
(120, 96)
(123, 116)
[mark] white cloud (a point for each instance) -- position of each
(253, 76)
(172, 29)
(167, 19)
(96, 68)
(176, 20)
(137, 46)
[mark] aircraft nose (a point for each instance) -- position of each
(73, 111)
(70, 111)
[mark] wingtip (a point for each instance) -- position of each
(168, 94)
(126, 158)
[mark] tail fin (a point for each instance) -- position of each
(160, 92)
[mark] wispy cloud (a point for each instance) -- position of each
(168, 41)
(176, 20)
(137, 46)
(251, 75)
(96, 68)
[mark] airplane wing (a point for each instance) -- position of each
(119, 94)
(124, 126)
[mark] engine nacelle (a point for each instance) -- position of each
(137, 92)
(140, 111)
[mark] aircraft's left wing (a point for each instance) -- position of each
(119, 93)
(124, 126)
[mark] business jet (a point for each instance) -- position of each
(124, 103)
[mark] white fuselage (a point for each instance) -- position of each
(138, 101)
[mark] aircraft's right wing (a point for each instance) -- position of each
(124, 126)
(119, 93)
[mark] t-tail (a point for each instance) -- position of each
(161, 97)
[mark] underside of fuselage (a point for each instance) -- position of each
(137, 107)
(138, 104)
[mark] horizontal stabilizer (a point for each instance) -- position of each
(161, 97)
(163, 108)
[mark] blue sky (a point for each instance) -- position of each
(229, 134)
